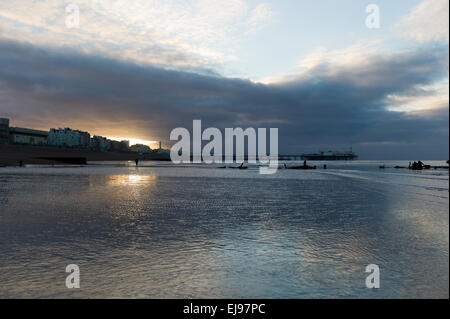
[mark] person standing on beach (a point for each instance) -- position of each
(137, 161)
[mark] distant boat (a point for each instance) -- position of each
(330, 156)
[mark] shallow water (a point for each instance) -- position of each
(196, 231)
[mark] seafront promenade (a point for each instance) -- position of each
(12, 155)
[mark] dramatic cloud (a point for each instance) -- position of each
(326, 105)
(426, 99)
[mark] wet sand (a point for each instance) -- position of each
(163, 230)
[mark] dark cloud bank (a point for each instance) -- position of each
(327, 107)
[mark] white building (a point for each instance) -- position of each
(68, 137)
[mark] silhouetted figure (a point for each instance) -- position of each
(285, 166)
(137, 161)
(324, 166)
(304, 163)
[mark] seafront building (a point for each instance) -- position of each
(68, 138)
(120, 146)
(26, 136)
(140, 148)
(20, 135)
(100, 143)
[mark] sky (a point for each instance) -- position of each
(320, 71)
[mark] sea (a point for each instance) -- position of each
(162, 230)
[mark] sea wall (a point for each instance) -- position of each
(14, 154)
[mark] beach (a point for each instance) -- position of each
(195, 231)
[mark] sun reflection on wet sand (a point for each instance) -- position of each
(130, 179)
